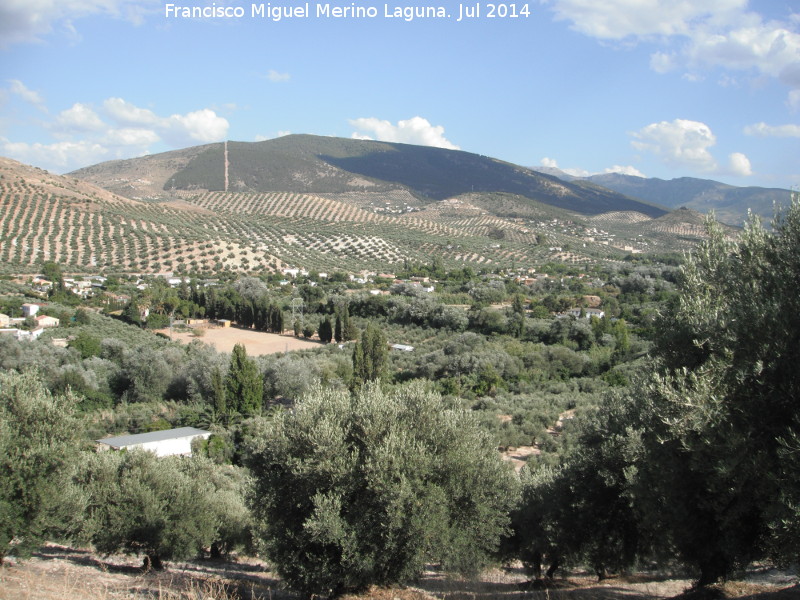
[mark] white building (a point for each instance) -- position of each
(169, 442)
(29, 310)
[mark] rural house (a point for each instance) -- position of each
(169, 442)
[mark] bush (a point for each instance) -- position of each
(366, 489)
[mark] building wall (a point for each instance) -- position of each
(180, 446)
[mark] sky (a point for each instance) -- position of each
(654, 88)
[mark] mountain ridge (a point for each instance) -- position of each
(303, 163)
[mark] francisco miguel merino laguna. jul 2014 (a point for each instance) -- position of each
(333, 11)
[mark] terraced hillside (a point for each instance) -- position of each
(50, 217)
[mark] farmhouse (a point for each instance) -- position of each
(169, 442)
(46, 321)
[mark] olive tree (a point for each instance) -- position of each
(38, 445)
(363, 489)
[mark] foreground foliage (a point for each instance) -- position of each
(38, 444)
(366, 489)
(700, 459)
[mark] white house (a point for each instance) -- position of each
(587, 312)
(28, 310)
(169, 442)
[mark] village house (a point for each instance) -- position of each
(588, 313)
(46, 321)
(4, 320)
(29, 310)
(170, 442)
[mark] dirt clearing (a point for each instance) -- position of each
(255, 342)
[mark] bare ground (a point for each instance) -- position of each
(61, 573)
(256, 342)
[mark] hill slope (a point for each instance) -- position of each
(88, 229)
(729, 203)
(325, 165)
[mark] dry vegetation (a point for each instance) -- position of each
(61, 573)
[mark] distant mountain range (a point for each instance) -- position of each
(325, 165)
(729, 203)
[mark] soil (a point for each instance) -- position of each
(256, 342)
(61, 573)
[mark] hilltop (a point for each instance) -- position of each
(311, 164)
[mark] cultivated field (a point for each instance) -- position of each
(255, 342)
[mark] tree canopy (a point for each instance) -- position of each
(365, 489)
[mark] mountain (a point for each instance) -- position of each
(729, 203)
(326, 165)
(90, 229)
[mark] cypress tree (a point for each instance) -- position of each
(243, 384)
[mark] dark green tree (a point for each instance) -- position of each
(370, 356)
(243, 383)
(325, 330)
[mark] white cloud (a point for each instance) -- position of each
(415, 130)
(125, 113)
(203, 126)
(60, 156)
(550, 163)
(764, 130)
(695, 35)
(31, 97)
(625, 170)
(276, 77)
(131, 137)
(79, 118)
(27, 20)
(119, 130)
(739, 164)
(680, 143)
(620, 19)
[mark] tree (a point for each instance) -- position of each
(243, 383)
(325, 331)
(167, 508)
(370, 356)
(366, 489)
(131, 313)
(38, 445)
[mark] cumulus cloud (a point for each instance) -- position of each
(415, 130)
(125, 113)
(79, 118)
(629, 170)
(764, 130)
(119, 129)
(680, 143)
(60, 156)
(28, 20)
(694, 35)
(739, 164)
(686, 144)
(201, 126)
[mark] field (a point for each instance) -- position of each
(256, 342)
(61, 573)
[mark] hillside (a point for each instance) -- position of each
(324, 165)
(89, 229)
(729, 203)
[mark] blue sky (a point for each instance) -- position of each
(660, 88)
